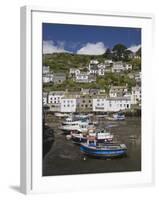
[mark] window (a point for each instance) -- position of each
(90, 105)
(128, 106)
(120, 105)
(83, 101)
(68, 105)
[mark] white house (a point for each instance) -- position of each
(128, 66)
(136, 95)
(82, 77)
(85, 77)
(47, 78)
(74, 71)
(84, 91)
(118, 67)
(101, 69)
(111, 104)
(116, 91)
(118, 103)
(94, 61)
(108, 62)
(46, 69)
(101, 72)
(55, 97)
(68, 104)
(99, 104)
(45, 98)
(93, 69)
(138, 76)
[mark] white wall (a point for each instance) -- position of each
(68, 105)
(104, 105)
(10, 117)
(54, 99)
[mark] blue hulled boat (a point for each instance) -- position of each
(117, 117)
(108, 150)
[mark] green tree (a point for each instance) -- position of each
(119, 52)
(138, 53)
(107, 54)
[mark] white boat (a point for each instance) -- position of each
(99, 136)
(61, 115)
(102, 135)
(73, 124)
(82, 117)
(117, 117)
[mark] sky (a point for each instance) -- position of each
(89, 40)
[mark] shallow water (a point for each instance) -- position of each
(65, 158)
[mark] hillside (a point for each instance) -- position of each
(62, 62)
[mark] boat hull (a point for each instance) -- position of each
(115, 119)
(103, 153)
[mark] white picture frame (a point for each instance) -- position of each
(31, 100)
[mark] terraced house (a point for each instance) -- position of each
(118, 91)
(111, 104)
(84, 103)
(68, 104)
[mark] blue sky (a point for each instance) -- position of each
(92, 40)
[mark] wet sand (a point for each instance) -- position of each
(65, 158)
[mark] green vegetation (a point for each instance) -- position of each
(103, 82)
(62, 62)
(136, 63)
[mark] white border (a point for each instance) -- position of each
(31, 92)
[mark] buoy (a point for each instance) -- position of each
(84, 158)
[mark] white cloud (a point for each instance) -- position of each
(92, 49)
(50, 47)
(134, 48)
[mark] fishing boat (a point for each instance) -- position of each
(117, 117)
(61, 115)
(82, 116)
(99, 135)
(80, 124)
(102, 150)
(73, 124)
